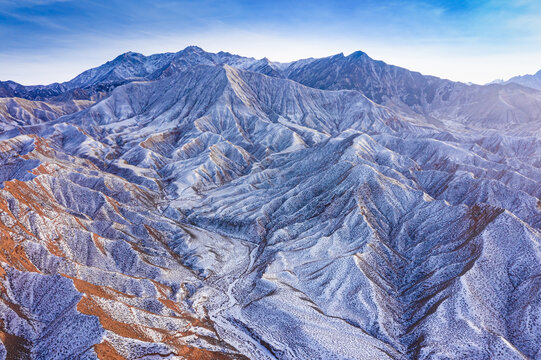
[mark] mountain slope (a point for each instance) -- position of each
(20, 112)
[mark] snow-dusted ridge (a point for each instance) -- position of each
(532, 81)
(208, 206)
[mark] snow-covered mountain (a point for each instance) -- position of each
(209, 206)
(532, 81)
(96, 83)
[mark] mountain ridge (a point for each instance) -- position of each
(396, 87)
(532, 81)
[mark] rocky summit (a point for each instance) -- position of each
(199, 205)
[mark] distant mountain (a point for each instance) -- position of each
(532, 81)
(432, 97)
(435, 99)
(212, 206)
(96, 83)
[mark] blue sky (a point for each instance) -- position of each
(43, 41)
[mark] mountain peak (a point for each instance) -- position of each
(337, 56)
(128, 56)
(357, 54)
(192, 49)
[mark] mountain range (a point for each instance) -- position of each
(199, 205)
